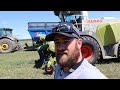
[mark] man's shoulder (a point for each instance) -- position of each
(90, 71)
(86, 65)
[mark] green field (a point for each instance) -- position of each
(19, 65)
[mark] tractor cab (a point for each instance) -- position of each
(5, 32)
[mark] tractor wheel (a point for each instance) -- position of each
(90, 50)
(49, 70)
(6, 46)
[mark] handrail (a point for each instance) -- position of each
(42, 24)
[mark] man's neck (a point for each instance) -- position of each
(66, 69)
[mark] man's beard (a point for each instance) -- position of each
(71, 59)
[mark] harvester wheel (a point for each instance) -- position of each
(50, 69)
(118, 53)
(6, 46)
(90, 50)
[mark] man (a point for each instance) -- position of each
(71, 64)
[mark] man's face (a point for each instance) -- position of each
(67, 50)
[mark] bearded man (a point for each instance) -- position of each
(71, 64)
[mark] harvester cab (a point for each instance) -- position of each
(74, 17)
(8, 43)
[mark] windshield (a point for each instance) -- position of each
(5, 33)
(71, 18)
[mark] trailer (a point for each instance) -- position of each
(38, 29)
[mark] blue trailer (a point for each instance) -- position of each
(38, 29)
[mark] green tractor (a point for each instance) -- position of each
(8, 43)
(47, 59)
(51, 63)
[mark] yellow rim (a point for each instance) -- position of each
(49, 69)
(4, 46)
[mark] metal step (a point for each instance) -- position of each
(109, 57)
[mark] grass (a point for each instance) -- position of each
(19, 65)
(111, 70)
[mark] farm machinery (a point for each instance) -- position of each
(8, 43)
(38, 30)
(101, 37)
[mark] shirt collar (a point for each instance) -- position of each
(76, 66)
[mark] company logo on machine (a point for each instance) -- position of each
(38, 34)
(94, 21)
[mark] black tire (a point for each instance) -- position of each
(49, 70)
(7, 46)
(94, 51)
(118, 59)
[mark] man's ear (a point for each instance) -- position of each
(80, 42)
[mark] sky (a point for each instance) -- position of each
(18, 20)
